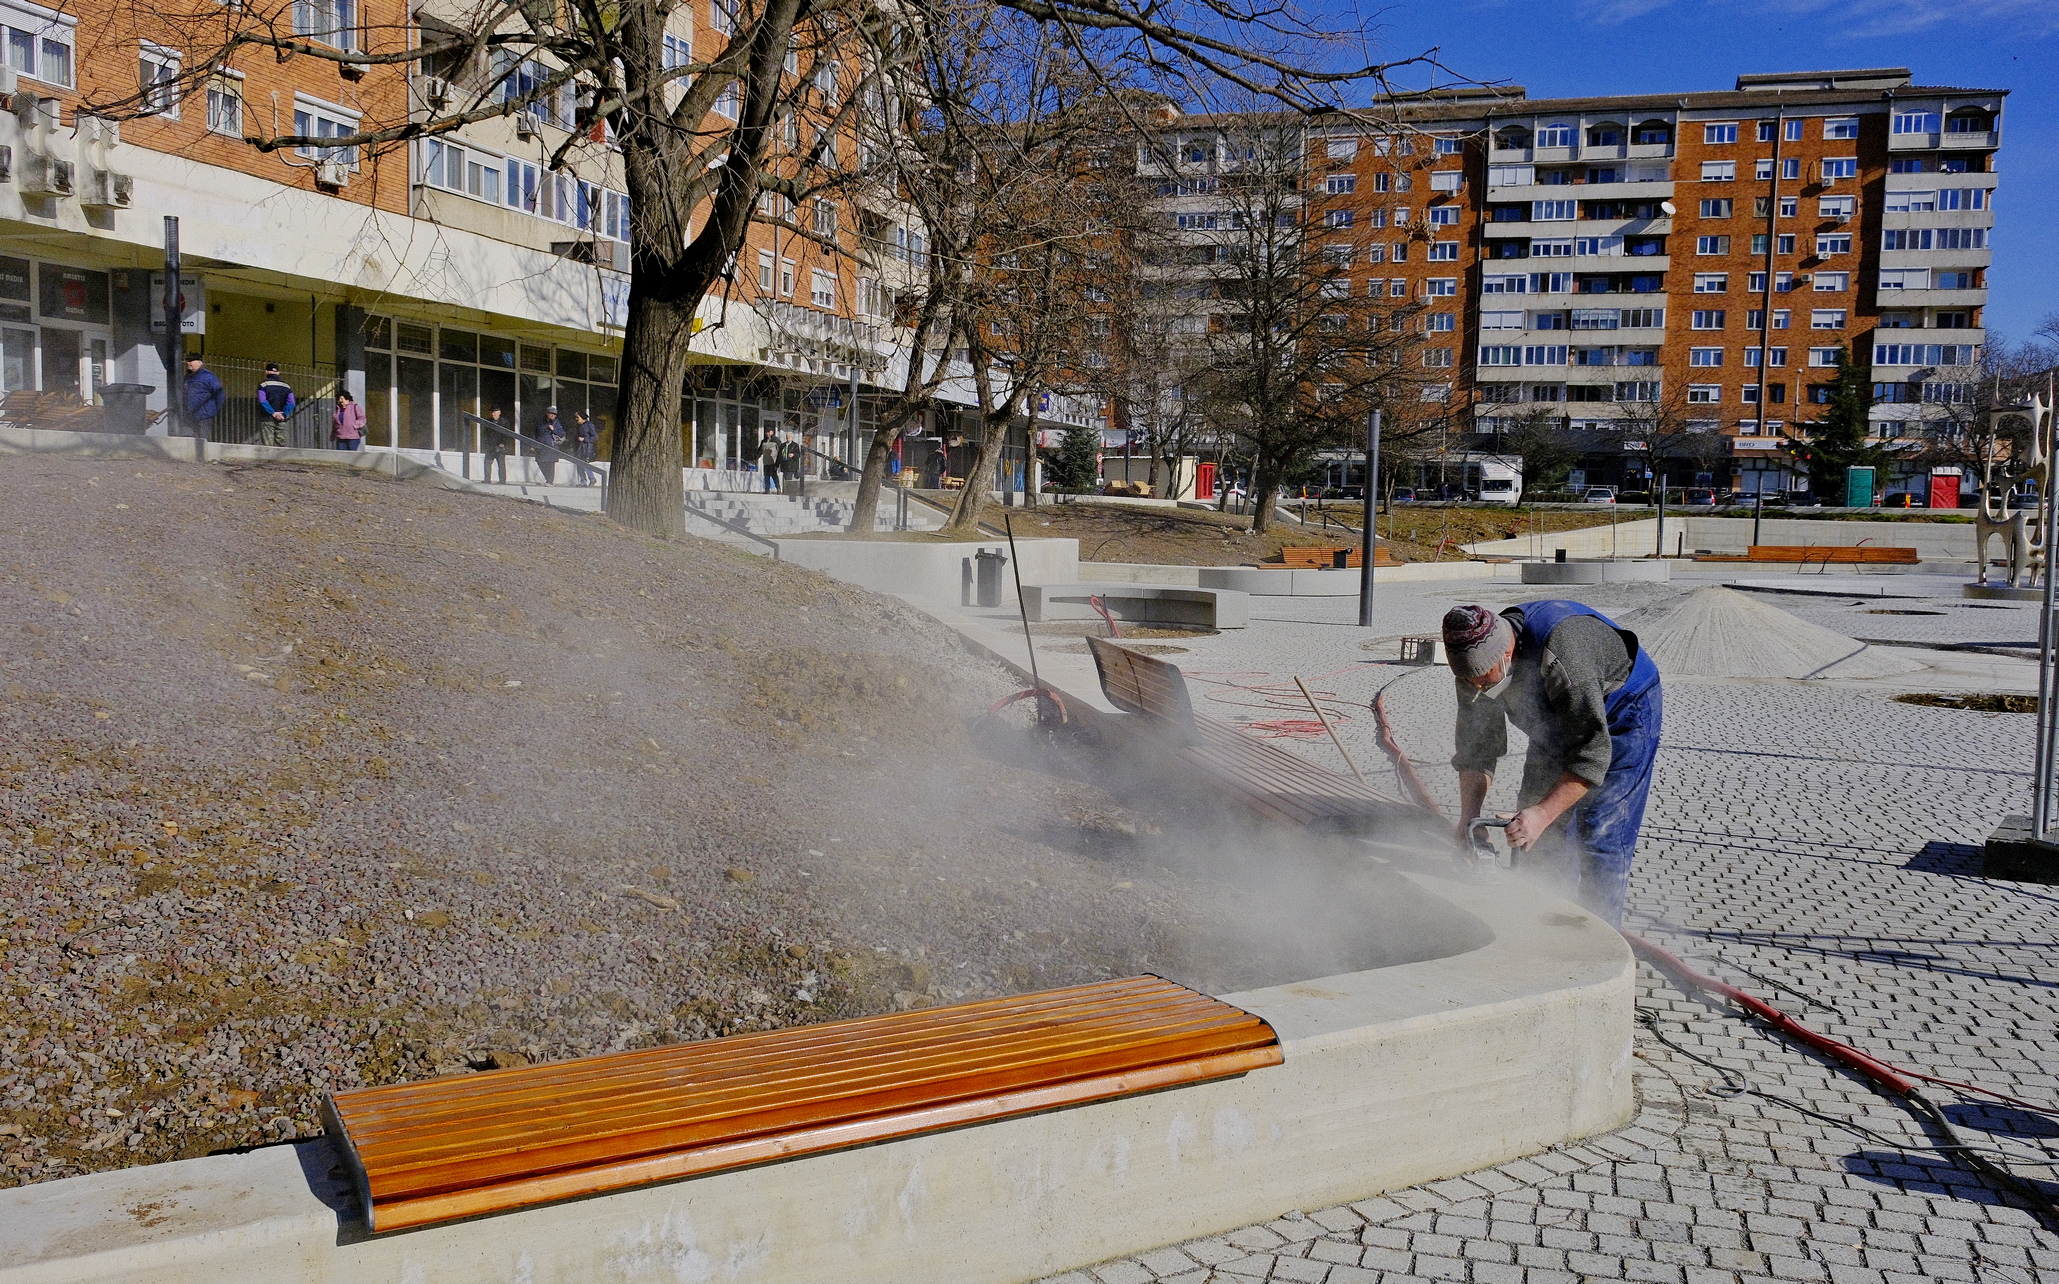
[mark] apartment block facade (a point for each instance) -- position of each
(1694, 265)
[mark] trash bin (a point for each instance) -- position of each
(988, 564)
(123, 406)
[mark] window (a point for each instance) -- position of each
(1397, 289)
(765, 272)
(225, 105)
(1644, 318)
(1376, 254)
(462, 169)
(1826, 358)
(1762, 169)
(1915, 122)
(729, 101)
(722, 17)
(1844, 206)
(1790, 206)
(1843, 167)
(1341, 184)
(677, 52)
(1504, 355)
(1774, 357)
(1337, 287)
(1756, 319)
(1833, 282)
(316, 119)
(1444, 252)
(1791, 167)
(159, 78)
(1437, 358)
(786, 278)
(1784, 244)
(1718, 207)
(1444, 216)
(824, 218)
(1376, 218)
(39, 42)
(330, 21)
(1925, 354)
(1719, 171)
(1828, 243)
(1341, 149)
(1906, 165)
(1905, 278)
(1962, 238)
(1519, 284)
(1440, 323)
(1551, 247)
(1338, 218)
(1599, 246)
(1448, 146)
(1553, 211)
(1501, 320)
(822, 289)
(1794, 131)
(1712, 245)
(1703, 394)
(1716, 135)
(1447, 180)
(1962, 198)
(1711, 282)
(1841, 127)
(1556, 134)
(1383, 182)
(1705, 356)
(1545, 354)
(1594, 356)
(1441, 286)
(1956, 281)
(1400, 252)
(1640, 389)
(1708, 319)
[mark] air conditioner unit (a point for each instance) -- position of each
(7, 85)
(331, 173)
(525, 126)
(46, 176)
(98, 129)
(106, 189)
(1843, 218)
(436, 92)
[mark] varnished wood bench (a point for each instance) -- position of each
(485, 1143)
(1311, 557)
(1818, 554)
(1264, 777)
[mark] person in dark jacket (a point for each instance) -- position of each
(500, 444)
(586, 441)
(551, 433)
(768, 461)
(204, 397)
(274, 407)
(1588, 697)
(791, 461)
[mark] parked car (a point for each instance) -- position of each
(1905, 499)
(1697, 495)
(1801, 499)
(1402, 495)
(1745, 497)
(1599, 495)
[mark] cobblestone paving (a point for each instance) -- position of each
(1815, 845)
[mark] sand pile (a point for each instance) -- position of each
(1721, 633)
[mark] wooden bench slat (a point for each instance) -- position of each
(453, 1147)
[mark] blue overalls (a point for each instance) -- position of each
(1604, 824)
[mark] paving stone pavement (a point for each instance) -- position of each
(1816, 845)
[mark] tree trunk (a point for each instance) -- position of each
(965, 513)
(646, 490)
(865, 515)
(1265, 483)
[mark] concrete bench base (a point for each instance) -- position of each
(1395, 1076)
(1168, 604)
(1597, 572)
(1272, 581)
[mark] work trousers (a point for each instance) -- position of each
(1589, 852)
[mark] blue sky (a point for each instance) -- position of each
(1562, 48)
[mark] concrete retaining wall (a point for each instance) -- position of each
(1597, 571)
(1148, 573)
(1933, 541)
(930, 570)
(1392, 1077)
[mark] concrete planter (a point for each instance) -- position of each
(1642, 570)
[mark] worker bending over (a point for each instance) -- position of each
(1587, 696)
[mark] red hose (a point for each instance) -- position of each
(1402, 766)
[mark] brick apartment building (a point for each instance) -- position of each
(1616, 261)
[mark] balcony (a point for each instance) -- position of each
(1926, 334)
(1579, 227)
(1931, 298)
(1947, 141)
(821, 342)
(1653, 191)
(1936, 258)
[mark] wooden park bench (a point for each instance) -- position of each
(64, 411)
(1823, 554)
(1312, 557)
(505, 1139)
(1268, 779)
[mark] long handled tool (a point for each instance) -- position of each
(1324, 718)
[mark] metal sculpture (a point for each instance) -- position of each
(2024, 530)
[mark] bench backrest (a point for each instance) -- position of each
(1137, 683)
(1832, 553)
(1309, 557)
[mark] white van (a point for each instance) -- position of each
(1501, 490)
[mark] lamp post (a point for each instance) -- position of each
(1365, 564)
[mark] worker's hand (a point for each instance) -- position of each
(1527, 826)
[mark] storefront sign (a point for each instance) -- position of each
(73, 294)
(194, 289)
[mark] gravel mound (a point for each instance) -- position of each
(1721, 633)
(311, 780)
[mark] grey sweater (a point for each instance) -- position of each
(1558, 701)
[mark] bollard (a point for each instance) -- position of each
(965, 581)
(990, 561)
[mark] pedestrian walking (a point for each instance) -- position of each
(551, 436)
(275, 404)
(503, 444)
(1588, 697)
(586, 442)
(768, 461)
(347, 425)
(936, 470)
(205, 397)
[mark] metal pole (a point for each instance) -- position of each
(1772, 240)
(1758, 508)
(1324, 718)
(1365, 565)
(2048, 697)
(1659, 547)
(174, 327)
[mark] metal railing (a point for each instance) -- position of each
(243, 423)
(517, 440)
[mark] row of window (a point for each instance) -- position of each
(522, 185)
(1934, 238)
(1570, 283)
(1560, 354)
(1834, 168)
(1577, 319)
(1719, 319)
(1926, 354)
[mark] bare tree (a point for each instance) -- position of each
(697, 129)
